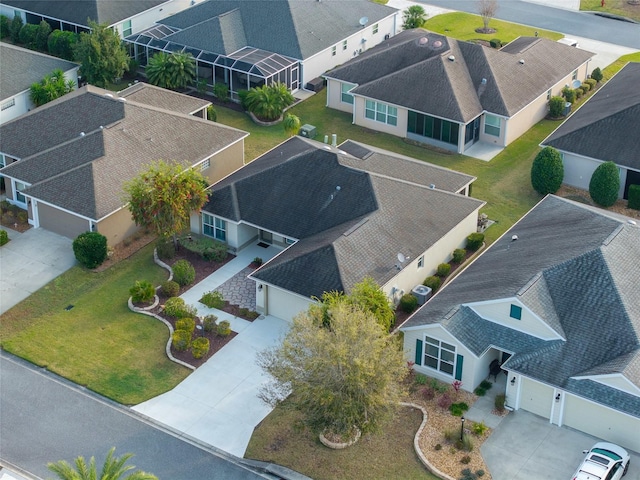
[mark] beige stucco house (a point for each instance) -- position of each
(66, 162)
(452, 94)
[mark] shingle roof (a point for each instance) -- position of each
(448, 81)
(162, 98)
(295, 28)
(102, 159)
(77, 11)
(604, 127)
(293, 190)
(22, 67)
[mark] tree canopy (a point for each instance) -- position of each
(102, 55)
(113, 469)
(52, 86)
(163, 196)
(175, 70)
(547, 171)
(413, 17)
(344, 374)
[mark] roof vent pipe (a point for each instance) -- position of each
(484, 81)
(451, 58)
(521, 61)
(432, 186)
(82, 134)
(334, 140)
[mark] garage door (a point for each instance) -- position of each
(283, 304)
(60, 222)
(602, 422)
(536, 397)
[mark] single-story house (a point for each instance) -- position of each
(556, 302)
(603, 129)
(126, 16)
(66, 162)
(20, 69)
(449, 93)
(254, 42)
(339, 214)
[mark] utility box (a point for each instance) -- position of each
(422, 293)
(567, 109)
(308, 131)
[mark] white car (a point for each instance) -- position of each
(605, 461)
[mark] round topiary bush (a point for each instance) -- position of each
(474, 241)
(183, 272)
(547, 171)
(605, 184)
(200, 347)
(209, 323)
(556, 106)
(458, 255)
(597, 74)
(176, 307)
(186, 324)
(408, 303)
(432, 282)
(170, 288)
(90, 249)
(181, 340)
(4, 237)
(224, 328)
(443, 270)
(142, 291)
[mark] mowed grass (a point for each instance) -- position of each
(463, 26)
(280, 438)
(99, 343)
(616, 7)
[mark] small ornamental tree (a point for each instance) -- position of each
(597, 74)
(413, 17)
(163, 196)
(90, 249)
(605, 184)
(16, 26)
(487, 10)
(102, 55)
(547, 171)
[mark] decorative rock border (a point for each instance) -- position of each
(156, 301)
(340, 446)
(416, 443)
(263, 123)
(157, 260)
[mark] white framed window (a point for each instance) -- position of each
(421, 262)
(574, 76)
(439, 355)
(333, 51)
(344, 45)
(206, 164)
(381, 112)
(345, 96)
(549, 94)
(126, 28)
(375, 28)
(18, 196)
(8, 104)
(214, 227)
(492, 125)
(289, 241)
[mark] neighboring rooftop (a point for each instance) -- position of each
(162, 98)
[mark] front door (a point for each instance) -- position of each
(266, 237)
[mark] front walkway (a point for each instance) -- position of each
(218, 404)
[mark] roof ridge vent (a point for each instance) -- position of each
(356, 226)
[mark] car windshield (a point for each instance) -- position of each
(607, 453)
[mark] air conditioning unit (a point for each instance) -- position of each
(308, 131)
(422, 293)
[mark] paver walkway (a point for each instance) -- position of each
(240, 290)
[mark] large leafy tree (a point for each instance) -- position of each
(547, 171)
(50, 87)
(175, 70)
(113, 469)
(413, 17)
(605, 184)
(163, 196)
(267, 102)
(102, 55)
(344, 374)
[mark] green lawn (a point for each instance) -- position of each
(617, 7)
(99, 343)
(462, 26)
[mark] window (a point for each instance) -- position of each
(206, 164)
(421, 262)
(516, 312)
(19, 197)
(375, 28)
(344, 45)
(346, 97)
(8, 104)
(431, 127)
(548, 94)
(492, 125)
(574, 76)
(214, 227)
(289, 241)
(2, 161)
(126, 28)
(439, 355)
(333, 51)
(381, 112)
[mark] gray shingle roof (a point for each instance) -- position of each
(22, 67)
(425, 78)
(604, 127)
(85, 174)
(77, 11)
(162, 98)
(295, 28)
(292, 190)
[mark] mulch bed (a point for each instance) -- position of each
(203, 267)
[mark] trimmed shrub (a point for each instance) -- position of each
(142, 291)
(443, 270)
(216, 252)
(181, 340)
(221, 91)
(556, 106)
(212, 115)
(165, 249)
(90, 249)
(61, 43)
(499, 402)
(592, 83)
(16, 26)
(27, 35)
(475, 241)
(586, 87)
(42, 35)
(177, 308)
(480, 473)
(170, 288)
(479, 391)
(569, 94)
(432, 282)
(597, 74)
(634, 197)
(458, 255)
(183, 272)
(224, 328)
(495, 43)
(605, 184)
(457, 409)
(479, 428)
(547, 171)
(578, 92)
(408, 303)
(257, 261)
(209, 323)
(486, 384)
(4, 237)
(213, 299)
(186, 324)
(5, 26)
(200, 347)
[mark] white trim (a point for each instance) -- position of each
(599, 378)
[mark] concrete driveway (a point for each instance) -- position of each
(527, 447)
(30, 261)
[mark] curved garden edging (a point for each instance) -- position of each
(416, 443)
(340, 445)
(263, 123)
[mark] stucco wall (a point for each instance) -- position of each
(225, 162)
(334, 97)
(578, 171)
(399, 130)
(499, 312)
(117, 226)
(282, 304)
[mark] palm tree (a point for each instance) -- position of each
(175, 70)
(414, 17)
(50, 87)
(268, 101)
(291, 124)
(113, 469)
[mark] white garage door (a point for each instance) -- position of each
(536, 397)
(283, 304)
(602, 422)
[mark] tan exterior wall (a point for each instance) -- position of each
(399, 130)
(334, 97)
(117, 226)
(499, 312)
(602, 422)
(60, 222)
(281, 304)
(225, 162)
(535, 397)
(578, 171)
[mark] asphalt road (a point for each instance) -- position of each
(580, 24)
(45, 419)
